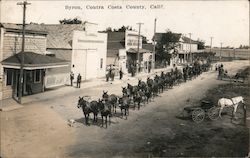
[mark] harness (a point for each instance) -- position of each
(232, 101)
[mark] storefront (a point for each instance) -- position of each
(34, 72)
(123, 51)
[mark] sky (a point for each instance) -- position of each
(226, 21)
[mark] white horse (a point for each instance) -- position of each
(234, 102)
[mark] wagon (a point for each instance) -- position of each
(198, 113)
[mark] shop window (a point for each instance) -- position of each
(9, 77)
(37, 76)
(101, 63)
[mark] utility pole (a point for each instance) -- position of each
(211, 44)
(190, 54)
(153, 56)
(20, 86)
(220, 49)
(138, 49)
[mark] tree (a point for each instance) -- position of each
(70, 21)
(167, 43)
(121, 29)
(201, 44)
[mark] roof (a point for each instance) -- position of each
(18, 28)
(134, 50)
(116, 40)
(148, 46)
(34, 60)
(59, 35)
(187, 40)
(178, 37)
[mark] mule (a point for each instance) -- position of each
(124, 103)
(105, 110)
(87, 108)
(112, 99)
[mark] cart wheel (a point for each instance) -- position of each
(198, 115)
(213, 113)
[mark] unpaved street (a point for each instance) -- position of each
(40, 129)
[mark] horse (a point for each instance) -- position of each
(112, 99)
(105, 110)
(87, 108)
(233, 102)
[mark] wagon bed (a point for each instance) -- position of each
(198, 113)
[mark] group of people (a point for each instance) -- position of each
(221, 71)
(78, 80)
(111, 74)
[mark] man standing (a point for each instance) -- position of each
(71, 78)
(121, 74)
(79, 78)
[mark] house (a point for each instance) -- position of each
(36, 63)
(123, 50)
(184, 47)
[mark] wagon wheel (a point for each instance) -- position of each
(198, 115)
(213, 113)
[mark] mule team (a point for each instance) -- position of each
(135, 95)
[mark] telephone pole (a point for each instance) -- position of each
(153, 56)
(138, 50)
(190, 54)
(20, 85)
(211, 44)
(220, 49)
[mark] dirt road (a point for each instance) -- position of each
(41, 130)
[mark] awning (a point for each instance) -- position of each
(135, 50)
(33, 61)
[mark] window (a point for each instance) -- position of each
(101, 63)
(37, 76)
(9, 77)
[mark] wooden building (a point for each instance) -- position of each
(36, 63)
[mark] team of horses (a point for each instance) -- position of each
(137, 95)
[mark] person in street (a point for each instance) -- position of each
(71, 78)
(149, 68)
(121, 74)
(107, 76)
(79, 78)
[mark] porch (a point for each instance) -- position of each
(34, 73)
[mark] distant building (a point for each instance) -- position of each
(123, 48)
(185, 47)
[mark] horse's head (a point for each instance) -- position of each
(139, 81)
(105, 94)
(80, 100)
(100, 104)
(242, 100)
(124, 90)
